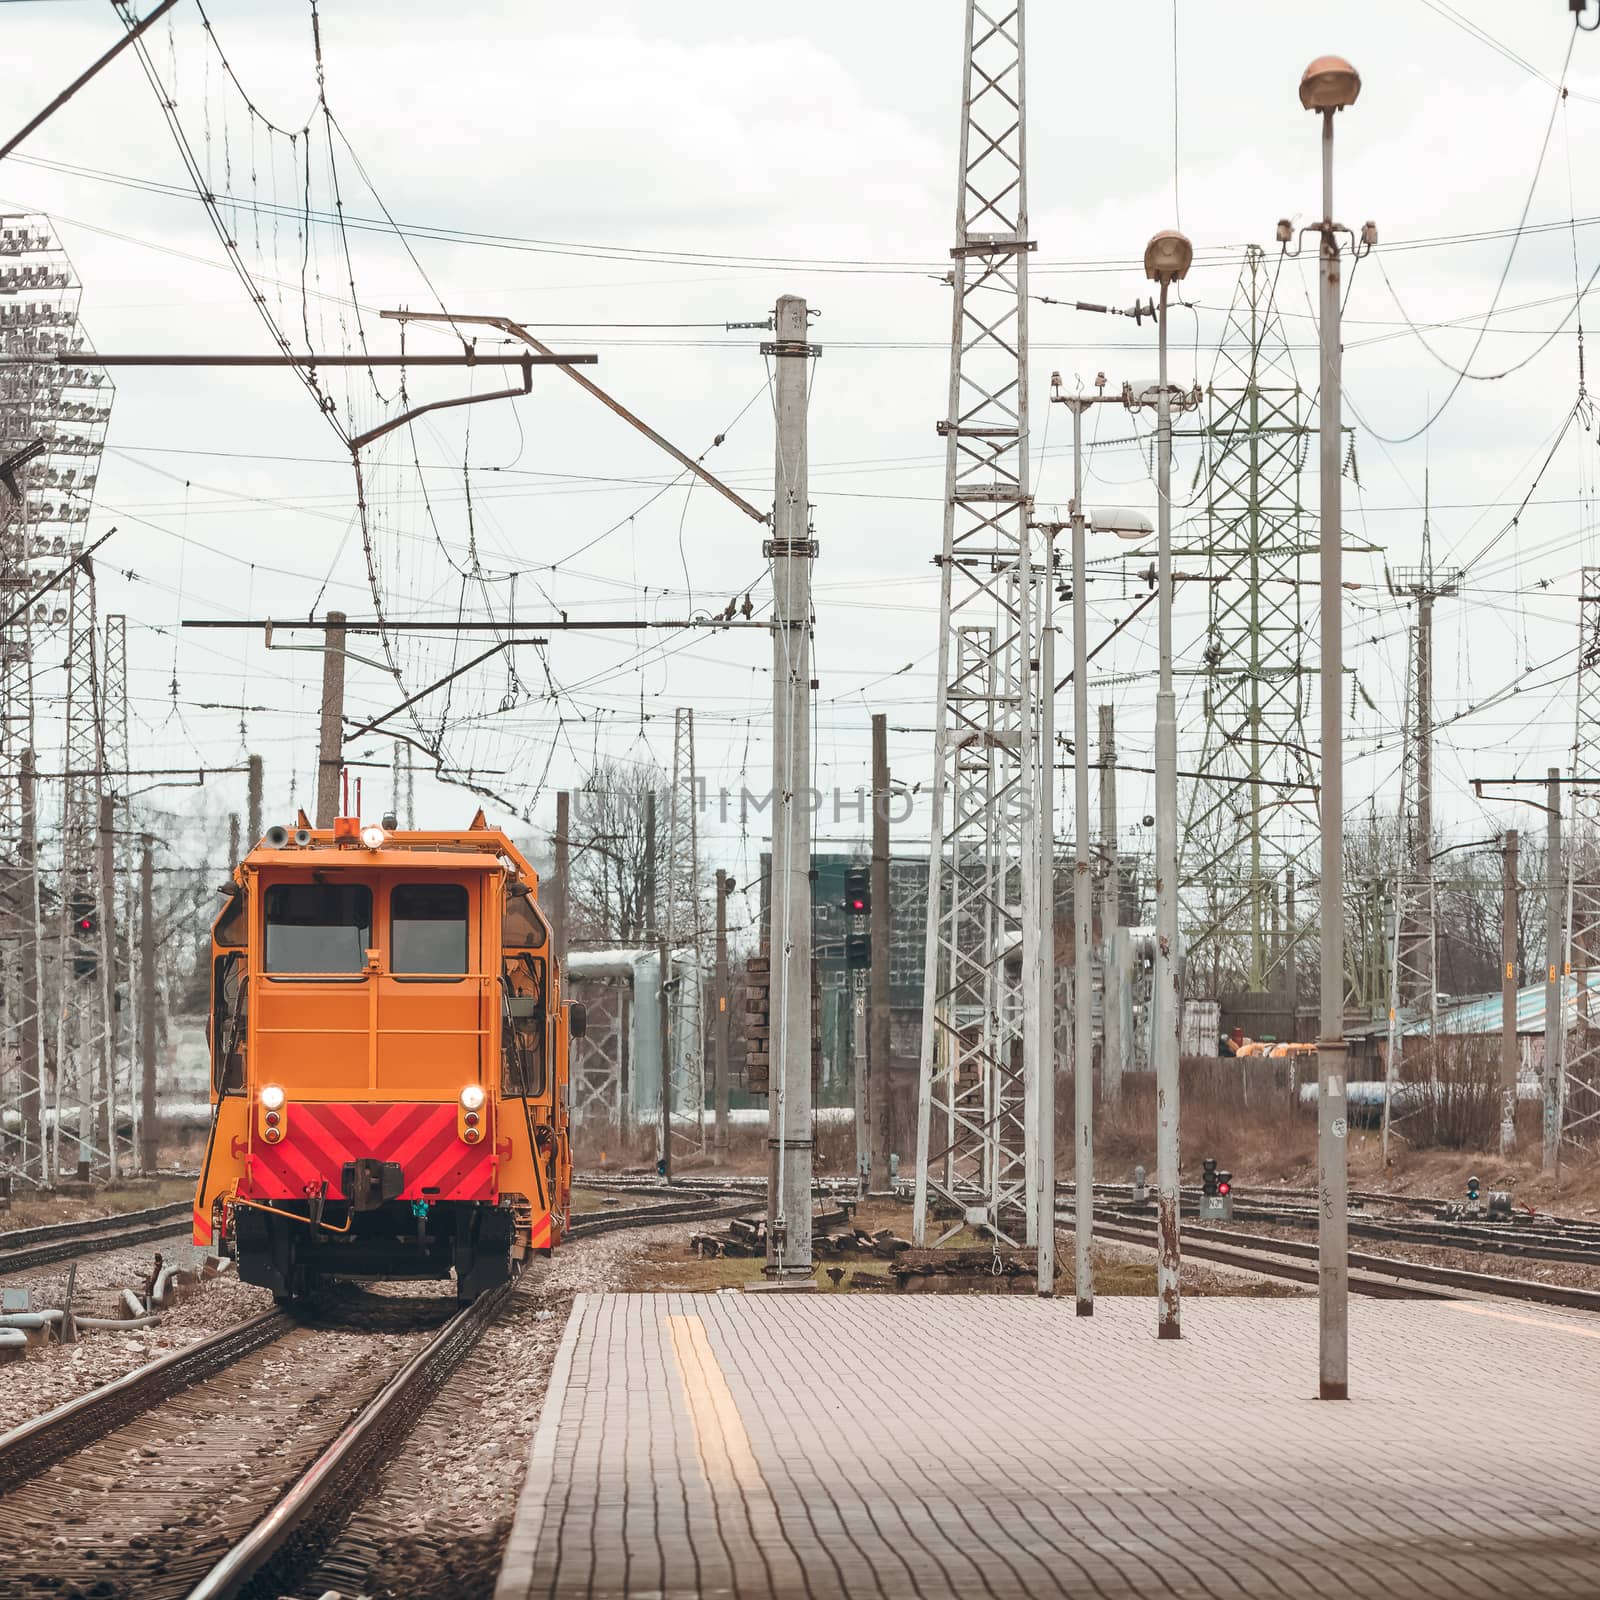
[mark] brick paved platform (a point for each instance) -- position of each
(995, 1448)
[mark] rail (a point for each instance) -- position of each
(33, 1445)
(327, 1491)
(1384, 1276)
(91, 1237)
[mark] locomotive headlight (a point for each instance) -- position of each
(472, 1096)
(372, 837)
(272, 1097)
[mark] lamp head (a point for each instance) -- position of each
(1330, 83)
(1167, 256)
(1122, 521)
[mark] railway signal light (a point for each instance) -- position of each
(86, 936)
(1473, 1188)
(1216, 1192)
(857, 891)
(857, 908)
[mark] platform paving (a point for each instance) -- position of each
(865, 1445)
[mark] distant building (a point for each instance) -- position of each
(908, 927)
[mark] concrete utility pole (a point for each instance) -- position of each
(1508, 997)
(650, 926)
(330, 749)
(233, 840)
(150, 1133)
(664, 960)
(32, 1063)
(253, 827)
(1082, 881)
(792, 551)
(562, 902)
(1326, 87)
(1113, 1048)
(108, 981)
(719, 1037)
(1045, 837)
(880, 1085)
(1555, 1018)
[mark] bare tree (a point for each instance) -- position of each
(612, 873)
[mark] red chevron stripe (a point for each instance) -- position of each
(442, 1142)
(466, 1171)
(425, 1135)
(421, 1137)
(325, 1140)
(367, 1136)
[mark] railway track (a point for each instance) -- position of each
(1540, 1238)
(27, 1248)
(1295, 1260)
(227, 1467)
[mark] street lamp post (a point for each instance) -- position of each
(1327, 86)
(1131, 525)
(1166, 261)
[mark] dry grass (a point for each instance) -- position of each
(1250, 1124)
(1250, 1120)
(37, 1211)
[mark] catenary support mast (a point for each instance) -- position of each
(984, 1031)
(791, 551)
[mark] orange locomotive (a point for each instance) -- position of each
(389, 1061)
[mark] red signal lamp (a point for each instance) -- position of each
(1224, 1187)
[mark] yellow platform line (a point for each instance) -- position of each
(1532, 1322)
(725, 1454)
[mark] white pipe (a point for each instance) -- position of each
(29, 1319)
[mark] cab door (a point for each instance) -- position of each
(431, 1026)
(312, 1000)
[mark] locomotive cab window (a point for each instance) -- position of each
(233, 925)
(230, 1018)
(521, 928)
(428, 929)
(523, 1066)
(318, 929)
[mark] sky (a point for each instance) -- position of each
(629, 178)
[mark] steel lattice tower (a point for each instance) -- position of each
(1417, 934)
(1253, 814)
(597, 1060)
(52, 429)
(121, 909)
(686, 1085)
(1580, 1066)
(982, 1029)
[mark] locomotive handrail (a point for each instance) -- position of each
(293, 1216)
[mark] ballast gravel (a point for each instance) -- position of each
(53, 1373)
(435, 1524)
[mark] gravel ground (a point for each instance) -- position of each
(102, 1273)
(1194, 1277)
(435, 1523)
(145, 1511)
(54, 1373)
